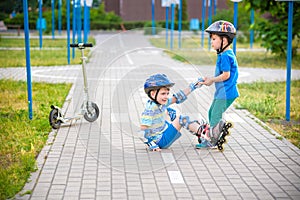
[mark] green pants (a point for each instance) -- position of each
(216, 110)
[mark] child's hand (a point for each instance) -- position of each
(208, 81)
(200, 81)
(196, 84)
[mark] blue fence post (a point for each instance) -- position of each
(215, 6)
(235, 23)
(59, 17)
(85, 22)
(88, 18)
(68, 31)
(203, 22)
(172, 24)
(78, 20)
(251, 31)
(179, 23)
(167, 24)
(53, 18)
(28, 68)
(209, 20)
(289, 60)
(153, 17)
(40, 23)
(73, 28)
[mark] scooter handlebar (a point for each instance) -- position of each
(81, 45)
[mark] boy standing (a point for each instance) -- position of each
(222, 34)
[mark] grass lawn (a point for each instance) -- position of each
(192, 53)
(267, 102)
(22, 139)
(53, 52)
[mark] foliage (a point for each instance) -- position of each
(98, 18)
(22, 139)
(99, 15)
(184, 13)
(273, 31)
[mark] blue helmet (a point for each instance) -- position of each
(156, 82)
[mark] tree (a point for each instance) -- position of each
(273, 31)
(184, 14)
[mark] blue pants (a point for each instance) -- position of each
(169, 136)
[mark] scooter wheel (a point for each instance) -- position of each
(53, 118)
(92, 112)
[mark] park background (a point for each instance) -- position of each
(270, 33)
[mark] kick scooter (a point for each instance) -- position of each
(89, 110)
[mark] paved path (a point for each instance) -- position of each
(106, 160)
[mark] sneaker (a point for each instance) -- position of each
(204, 145)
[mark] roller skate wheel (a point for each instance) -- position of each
(229, 125)
(220, 148)
(222, 140)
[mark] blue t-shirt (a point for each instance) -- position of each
(226, 62)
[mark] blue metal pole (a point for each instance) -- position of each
(88, 20)
(28, 68)
(289, 60)
(78, 19)
(153, 17)
(215, 6)
(172, 24)
(203, 21)
(209, 20)
(251, 31)
(53, 18)
(74, 28)
(179, 23)
(59, 17)
(85, 22)
(167, 25)
(235, 23)
(40, 23)
(68, 31)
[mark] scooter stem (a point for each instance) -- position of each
(83, 59)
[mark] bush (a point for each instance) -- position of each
(19, 20)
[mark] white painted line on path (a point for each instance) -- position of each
(175, 177)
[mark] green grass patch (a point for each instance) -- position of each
(22, 139)
(37, 58)
(35, 42)
(267, 102)
(20, 42)
(53, 53)
(191, 52)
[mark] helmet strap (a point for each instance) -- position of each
(223, 48)
(155, 98)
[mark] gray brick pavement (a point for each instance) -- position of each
(106, 160)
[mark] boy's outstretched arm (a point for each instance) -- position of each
(210, 80)
(181, 96)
